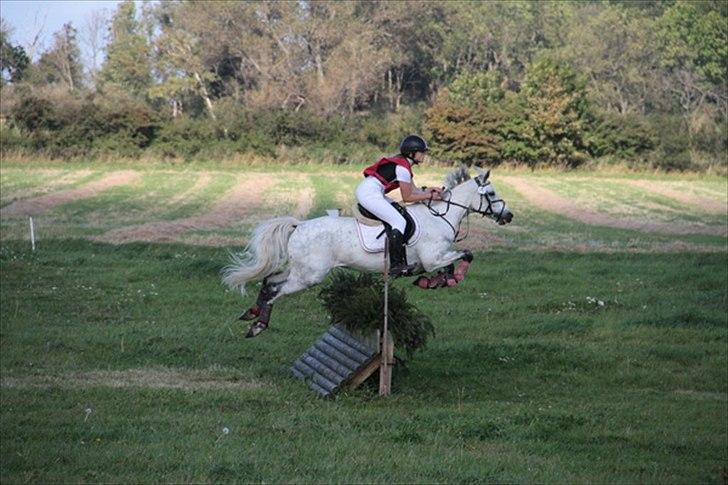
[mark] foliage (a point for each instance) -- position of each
(466, 134)
(693, 37)
(61, 63)
(64, 125)
(557, 112)
(355, 300)
(13, 59)
(477, 88)
(614, 48)
(127, 63)
(545, 123)
(625, 137)
(345, 78)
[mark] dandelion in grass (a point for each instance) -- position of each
(88, 412)
(595, 301)
(225, 431)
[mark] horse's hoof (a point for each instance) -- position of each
(250, 313)
(256, 329)
(421, 282)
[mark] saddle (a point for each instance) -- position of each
(369, 228)
(365, 217)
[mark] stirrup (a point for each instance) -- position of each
(402, 270)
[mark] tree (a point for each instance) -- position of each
(13, 59)
(467, 133)
(614, 48)
(557, 109)
(93, 37)
(694, 48)
(693, 41)
(182, 55)
(127, 63)
(61, 63)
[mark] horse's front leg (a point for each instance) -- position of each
(449, 275)
(463, 266)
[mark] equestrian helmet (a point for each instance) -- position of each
(412, 144)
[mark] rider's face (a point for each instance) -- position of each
(419, 156)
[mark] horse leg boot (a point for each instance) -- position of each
(463, 267)
(398, 254)
(262, 309)
(262, 324)
(265, 294)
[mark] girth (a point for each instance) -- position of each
(409, 221)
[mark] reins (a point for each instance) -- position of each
(468, 209)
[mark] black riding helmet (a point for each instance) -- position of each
(412, 144)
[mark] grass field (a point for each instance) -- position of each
(573, 352)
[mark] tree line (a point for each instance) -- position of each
(536, 83)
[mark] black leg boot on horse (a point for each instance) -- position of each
(261, 310)
(398, 255)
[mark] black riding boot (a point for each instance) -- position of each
(398, 255)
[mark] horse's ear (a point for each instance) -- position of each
(482, 175)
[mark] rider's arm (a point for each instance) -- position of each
(410, 193)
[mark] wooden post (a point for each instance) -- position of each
(32, 234)
(386, 345)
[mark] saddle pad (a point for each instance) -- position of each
(368, 236)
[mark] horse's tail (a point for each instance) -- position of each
(266, 253)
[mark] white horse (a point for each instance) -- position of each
(291, 255)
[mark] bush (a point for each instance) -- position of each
(183, 137)
(673, 148)
(620, 136)
(468, 135)
(545, 123)
(64, 125)
(557, 112)
(477, 88)
(355, 301)
(385, 130)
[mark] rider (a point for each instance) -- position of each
(386, 175)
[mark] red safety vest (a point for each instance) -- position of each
(389, 185)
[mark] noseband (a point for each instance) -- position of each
(489, 208)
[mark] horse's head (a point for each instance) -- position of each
(487, 201)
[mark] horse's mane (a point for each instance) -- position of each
(456, 177)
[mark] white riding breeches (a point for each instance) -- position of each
(370, 194)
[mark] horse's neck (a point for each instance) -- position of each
(461, 195)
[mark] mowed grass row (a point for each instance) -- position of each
(546, 367)
(172, 196)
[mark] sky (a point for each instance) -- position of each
(29, 17)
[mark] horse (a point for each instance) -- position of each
(290, 255)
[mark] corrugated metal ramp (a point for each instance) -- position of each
(334, 360)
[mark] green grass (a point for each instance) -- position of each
(621, 199)
(529, 378)
(20, 183)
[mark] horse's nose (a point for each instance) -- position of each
(507, 217)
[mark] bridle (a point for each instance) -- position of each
(486, 200)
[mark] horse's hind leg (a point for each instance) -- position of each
(291, 281)
(263, 306)
(266, 293)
